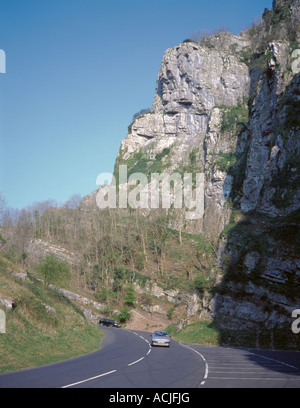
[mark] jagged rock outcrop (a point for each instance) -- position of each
(39, 249)
(262, 278)
(229, 107)
(273, 136)
(91, 309)
(184, 131)
(193, 79)
(187, 91)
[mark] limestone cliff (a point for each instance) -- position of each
(261, 251)
(185, 129)
(229, 107)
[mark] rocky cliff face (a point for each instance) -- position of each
(196, 84)
(261, 254)
(228, 107)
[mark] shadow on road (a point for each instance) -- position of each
(285, 362)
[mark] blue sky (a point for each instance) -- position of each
(76, 72)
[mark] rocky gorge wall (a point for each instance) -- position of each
(228, 107)
(261, 251)
(194, 85)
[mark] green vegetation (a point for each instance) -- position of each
(200, 283)
(276, 23)
(114, 252)
(209, 333)
(43, 326)
(53, 270)
(280, 339)
(164, 153)
(141, 162)
(129, 298)
(234, 118)
(274, 18)
(193, 165)
(223, 161)
(124, 315)
(118, 251)
(197, 333)
(137, 115)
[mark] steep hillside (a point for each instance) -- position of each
(42, 326)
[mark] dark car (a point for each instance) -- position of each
(108, 323)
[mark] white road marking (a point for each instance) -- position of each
(113, 371)
(89, 379)
(277, 361)
(203, 358)
(137, 361)
(255, 379)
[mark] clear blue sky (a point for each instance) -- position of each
(76, 72)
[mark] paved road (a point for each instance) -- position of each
(126, 360)
(249, 368)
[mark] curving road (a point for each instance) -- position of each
(126, 360)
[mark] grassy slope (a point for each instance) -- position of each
(34, 335)
(196, 333)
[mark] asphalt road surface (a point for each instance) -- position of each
(127, 360)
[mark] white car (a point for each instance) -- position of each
(160, 338)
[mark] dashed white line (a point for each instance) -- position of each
(113, 371)
(89, 379)
(137, 361)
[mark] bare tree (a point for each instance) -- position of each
(2, 205)
(73, 202)
(202, 35)
(159, 228)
